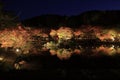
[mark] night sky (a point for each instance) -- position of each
(30, 8)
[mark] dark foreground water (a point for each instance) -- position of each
(59, 74)
(93, 63)
(77, 67)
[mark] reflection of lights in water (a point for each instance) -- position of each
(112, 50)
(52, 52)
(118, 50)
(77, 51)
(22, 62)
(19, 65)
(112, 47)
(106, 50)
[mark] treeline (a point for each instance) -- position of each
(8, 19)
(99, 18)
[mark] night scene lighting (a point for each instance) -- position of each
(59, 39)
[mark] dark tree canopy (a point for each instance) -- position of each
(7, 18)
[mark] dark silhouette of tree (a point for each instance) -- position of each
(7, 18)
(49, 20)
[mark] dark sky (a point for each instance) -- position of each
(30, 8)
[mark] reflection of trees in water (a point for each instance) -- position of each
(7, 59)
(12, 60)
(103, 49)
(88, 48)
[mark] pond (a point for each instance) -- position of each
(81, 55)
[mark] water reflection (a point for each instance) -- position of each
(66, 53)
(8, 60)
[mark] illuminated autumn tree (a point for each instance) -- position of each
(65, 33)
(14, 38)
(53, 34)
(78, 34)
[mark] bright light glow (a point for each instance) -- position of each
(17, 50)
(1, 58)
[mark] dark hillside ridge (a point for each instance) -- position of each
(96, 17)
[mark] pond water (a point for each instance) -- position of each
(82, 56)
